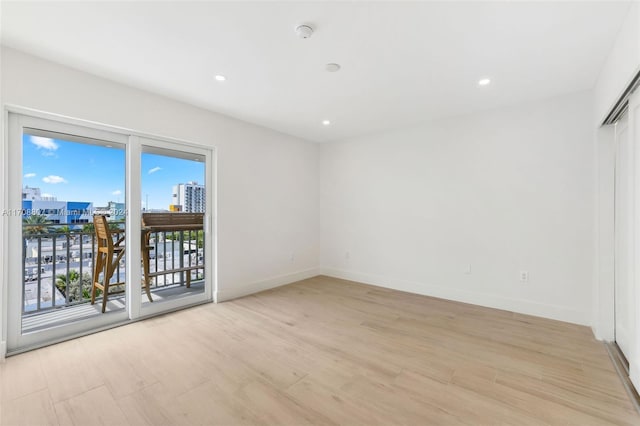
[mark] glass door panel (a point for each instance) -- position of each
(61, 192)
(175, 207)
(67, 175)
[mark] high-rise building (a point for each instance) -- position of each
(190, 196)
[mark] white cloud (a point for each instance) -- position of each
(54, 179)
(155, 169)
(116, 192)
(29, 175)
(44, 143)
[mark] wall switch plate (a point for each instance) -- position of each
(524, 276)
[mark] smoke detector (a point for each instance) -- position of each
(304, 31)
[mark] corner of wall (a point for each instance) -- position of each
(239, 290)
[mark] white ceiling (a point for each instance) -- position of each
(402, 63)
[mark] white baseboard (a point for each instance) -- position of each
(596, 334)
(608, 337)
(634, 372)
(560, 313)
(236, 291)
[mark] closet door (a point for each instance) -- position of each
(624, 237)
(629, 298)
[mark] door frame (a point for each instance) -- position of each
(11, 159)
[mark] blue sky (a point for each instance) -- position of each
(74, 171)
(160, 173)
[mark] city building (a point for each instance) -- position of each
(190, 197)
(29, 193)
(116, 210)
(67, 212)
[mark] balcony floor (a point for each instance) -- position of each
(59, 317)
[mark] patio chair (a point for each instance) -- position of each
(108, 255)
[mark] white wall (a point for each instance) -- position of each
(502, 191)
(267, 181)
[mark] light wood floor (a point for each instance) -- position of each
(322, 351)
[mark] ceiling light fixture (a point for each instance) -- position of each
(325, 122)
(220, 77)
(304, 31)
(332, 67)
(484, 82)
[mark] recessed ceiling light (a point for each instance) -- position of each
(220, 77)
(325, 122)
(484, 82)
(332, 67)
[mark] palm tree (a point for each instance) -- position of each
(61, 279)
(32, 227)
(36, 224)
(73, 286)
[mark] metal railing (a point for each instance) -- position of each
(58, 271)
(176, 250)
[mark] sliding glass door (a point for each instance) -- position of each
(104, 227)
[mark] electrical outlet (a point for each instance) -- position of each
(467, 269)
(292, 257)
(524, 276)
(347, 255)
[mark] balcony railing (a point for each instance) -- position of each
(58, 263)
